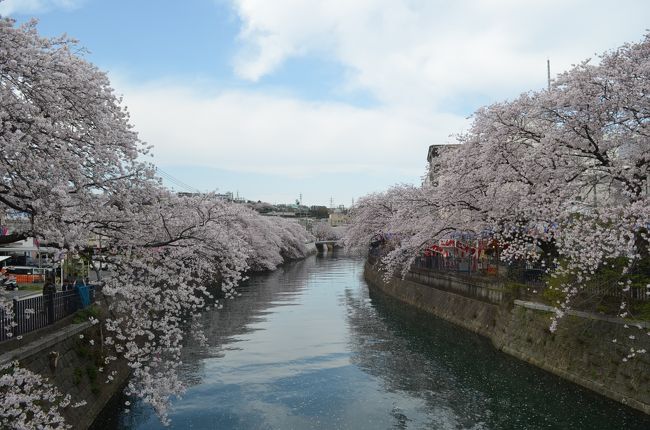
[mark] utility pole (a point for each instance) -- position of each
(548, 73)
(300, 199)
(331, 203)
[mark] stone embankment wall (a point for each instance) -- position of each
(587, 349)
(70, 356)
(471, 313)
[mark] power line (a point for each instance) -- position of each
(177, 182)
(173, 181)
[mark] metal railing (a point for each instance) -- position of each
(35, 312)
(522, 274)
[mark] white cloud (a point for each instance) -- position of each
(267, 133)
(413, 56)
(10, 7)
(424, 52)
(422, 60)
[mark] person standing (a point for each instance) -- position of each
(49, 289)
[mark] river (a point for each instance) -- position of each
(309, 347)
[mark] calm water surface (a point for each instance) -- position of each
(308, 347)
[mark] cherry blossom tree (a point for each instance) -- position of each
(323, 231)
(71, 167)
(559, 177)
(181, 256)
(29, 401)
(64, 135)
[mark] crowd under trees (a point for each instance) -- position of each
(557, 177)
(73, 170)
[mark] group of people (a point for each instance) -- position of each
(69, 283)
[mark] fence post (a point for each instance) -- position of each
(49, 305)
(16, 328)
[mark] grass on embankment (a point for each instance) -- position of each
(38, 286)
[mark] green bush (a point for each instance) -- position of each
(83, 315)
(553, 295)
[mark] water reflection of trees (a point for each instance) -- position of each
(225, 327)
(457, 378)
(387, 342)
(462, 379)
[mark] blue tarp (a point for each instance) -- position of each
(84, 294)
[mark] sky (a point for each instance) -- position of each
(331, 100)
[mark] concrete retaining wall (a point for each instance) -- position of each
(582, 350)
(472, 314)
(76, 370)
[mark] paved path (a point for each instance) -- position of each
(18, 293)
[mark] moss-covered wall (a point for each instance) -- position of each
(71, 358)
(581, 350)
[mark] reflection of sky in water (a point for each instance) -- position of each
(306, 348)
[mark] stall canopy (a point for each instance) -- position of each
(42, 249)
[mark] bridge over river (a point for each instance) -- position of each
(322, 245)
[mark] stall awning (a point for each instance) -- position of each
(42, 249)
